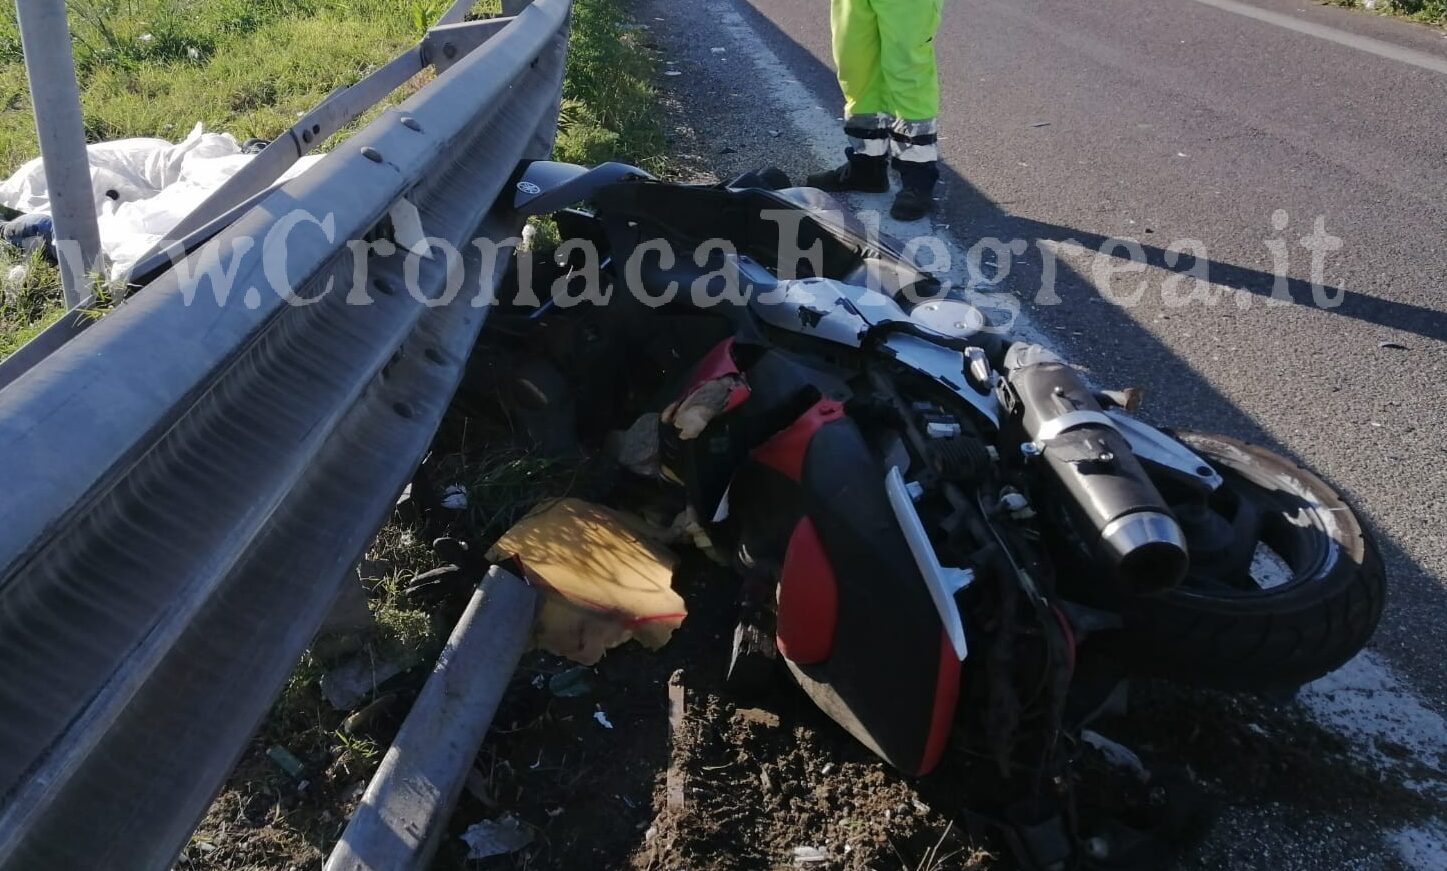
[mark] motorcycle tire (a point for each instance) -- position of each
(1316, 604)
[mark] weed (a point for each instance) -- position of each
(610, 108)
(31, 299)
(1427, 11)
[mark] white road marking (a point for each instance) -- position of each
(1423, 848)
(1364, 701)
(1332, 34)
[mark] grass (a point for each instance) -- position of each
(1426, 11)
(609, 107)
(247, 67)
(29, 300)
(153, 68)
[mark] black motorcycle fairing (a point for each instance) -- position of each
(544, 186)
(759, 224)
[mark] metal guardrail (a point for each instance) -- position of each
(184, 487)
(448, 39)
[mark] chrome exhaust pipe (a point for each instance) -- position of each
(1113, 504)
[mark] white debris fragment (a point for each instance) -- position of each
(673, 72)
(15, 279)
(602, 719)
(1117, 754)
(805, 855)
(496, 837)
(691, 415)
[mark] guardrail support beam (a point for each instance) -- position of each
(401, 818)
(55, 96)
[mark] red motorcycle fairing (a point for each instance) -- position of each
(806, 496)
(855, 620)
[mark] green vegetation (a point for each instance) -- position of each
(1428, 11)
(610, 110)
(29, 298)
(249, 67)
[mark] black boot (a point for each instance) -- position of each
(917, 187)
(912, 203)
(859, 173)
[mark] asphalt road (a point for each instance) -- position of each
(1175, 120)
(1198, 120)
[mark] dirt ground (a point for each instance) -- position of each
(752, 781)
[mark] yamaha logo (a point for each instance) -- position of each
(529, 188)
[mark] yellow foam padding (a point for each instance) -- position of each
(604, 580)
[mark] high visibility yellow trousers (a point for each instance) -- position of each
(885, 53)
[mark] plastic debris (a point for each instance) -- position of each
(692, 414)
(285, 760)
(686, 529)
(434, 584)
(142, 187)
(363, 720)
(1117, 754)
(454, 498)
(805, 855)
(15, 278)
(604, 579)
(636, 448)
(602, 719)
(572, 683)
(347, 684)
(498, 837)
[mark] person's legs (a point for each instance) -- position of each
(866, 120)
(907, 58)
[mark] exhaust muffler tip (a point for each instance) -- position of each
(1148, 550)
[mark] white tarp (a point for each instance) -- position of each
(143, 187)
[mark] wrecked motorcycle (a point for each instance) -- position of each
(943, 533)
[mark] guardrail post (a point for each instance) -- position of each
(55, 96)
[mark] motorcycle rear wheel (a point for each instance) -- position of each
(1313, 598)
